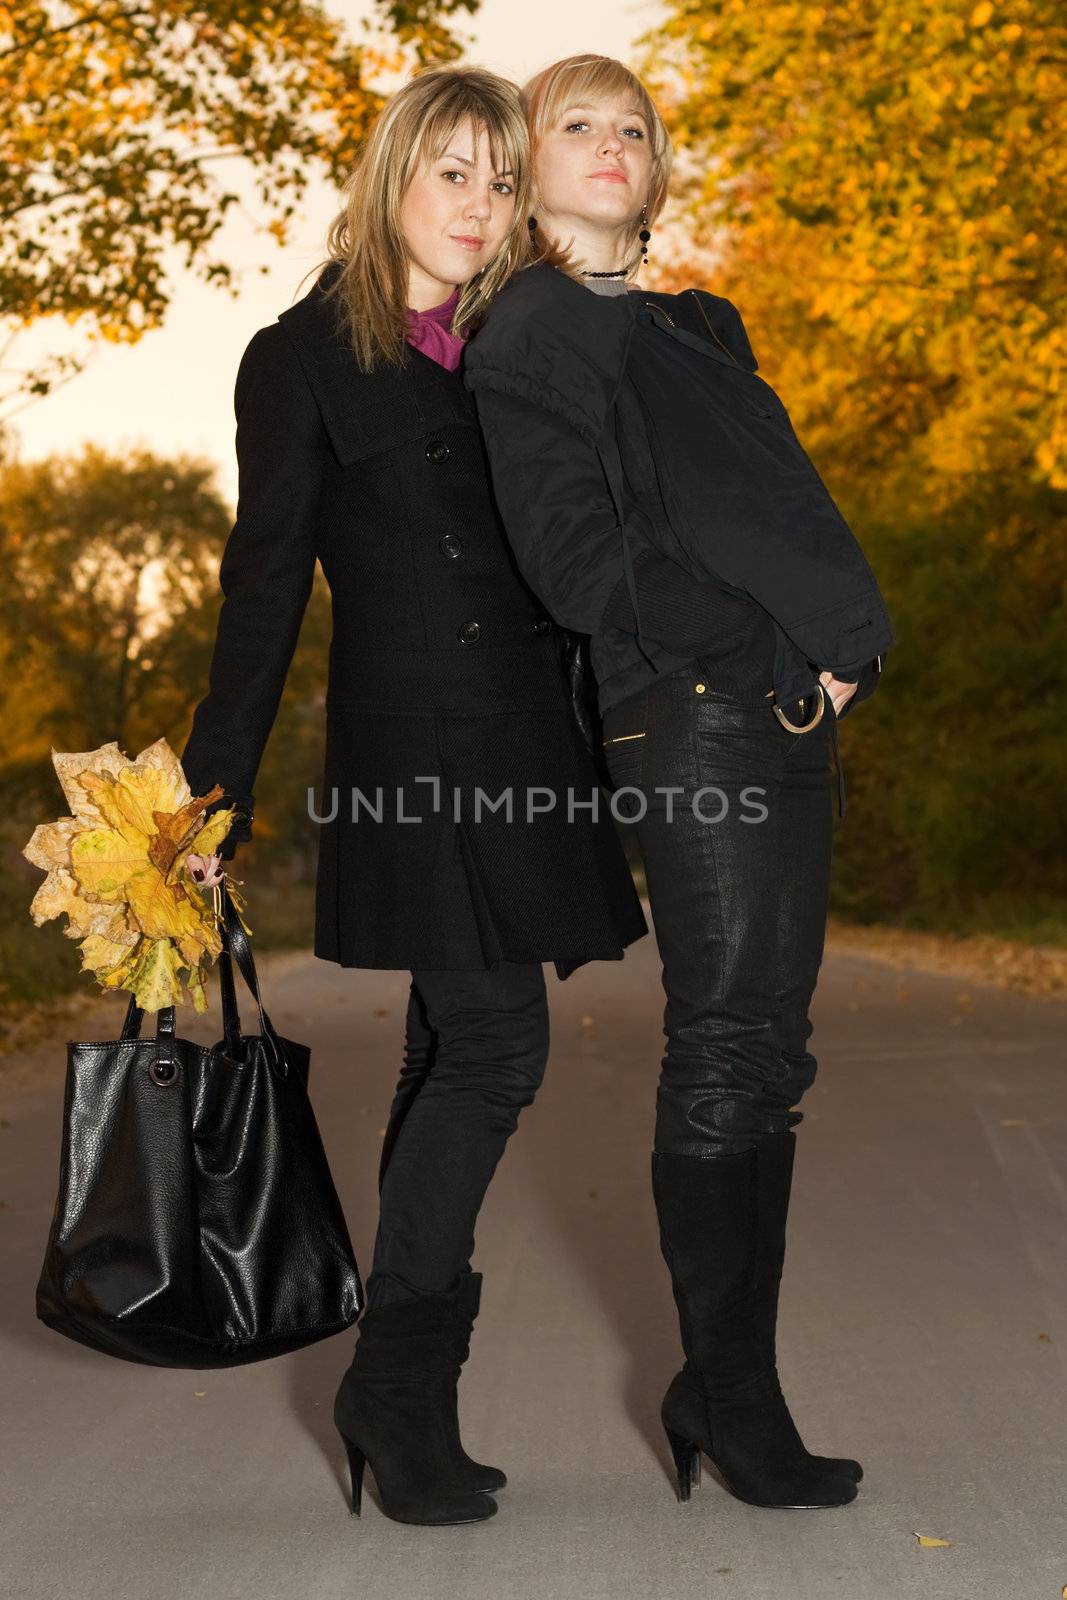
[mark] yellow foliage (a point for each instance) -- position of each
(881, 189)
(116, 870)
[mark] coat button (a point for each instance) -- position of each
(468, 633)
(543, 625)
(450, 545)
(437, 451)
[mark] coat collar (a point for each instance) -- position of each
(550, 340)
(368, 412)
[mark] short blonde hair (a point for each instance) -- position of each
(416, 125)
(580, 78)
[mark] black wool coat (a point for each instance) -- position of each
(617, 424)
(445, 675)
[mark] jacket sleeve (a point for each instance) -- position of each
(562, 523)
(866, 674)
(693, 617)
(556, 506)
(266, 573)
(561, 520)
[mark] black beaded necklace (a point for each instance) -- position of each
(623, 272)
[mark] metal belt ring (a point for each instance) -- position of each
(807, 726)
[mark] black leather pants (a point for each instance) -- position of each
(475, 1052)
(736, 837)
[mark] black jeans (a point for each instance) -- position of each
(475, 1052)
(736, 837)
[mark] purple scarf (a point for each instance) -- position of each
(429, 332)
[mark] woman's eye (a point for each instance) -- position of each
(503, 186)
(572, 125)
(452, 174)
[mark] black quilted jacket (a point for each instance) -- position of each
(619, 424)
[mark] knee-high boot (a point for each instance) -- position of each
(727, 1401)
(774, 1176)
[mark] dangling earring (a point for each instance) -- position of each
(645, 234)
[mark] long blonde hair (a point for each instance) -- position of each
(417, 124)
(580, 78)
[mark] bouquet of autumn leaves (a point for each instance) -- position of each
(116, 867)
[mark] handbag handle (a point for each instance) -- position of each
(165, 1066)
(234, 942)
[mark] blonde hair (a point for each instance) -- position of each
(580, 78)
(416, 125)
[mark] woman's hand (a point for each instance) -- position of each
(207, 872)
(840, 693)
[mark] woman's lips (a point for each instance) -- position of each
(612, 176)
(468, 241)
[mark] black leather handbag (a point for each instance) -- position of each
(197, 1224)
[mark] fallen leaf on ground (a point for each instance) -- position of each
(926, 1543)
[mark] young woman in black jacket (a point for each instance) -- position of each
(358, 446)
(658, 499)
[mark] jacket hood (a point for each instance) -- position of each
(548, 339)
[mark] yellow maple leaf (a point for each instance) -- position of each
(116, 869)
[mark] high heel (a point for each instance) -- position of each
(392, 1411)
(356, 1462)
(727, 1401)
(751, 1450)
(686, 1462)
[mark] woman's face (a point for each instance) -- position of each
(454, 217)
(594, 167)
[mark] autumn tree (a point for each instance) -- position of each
(879, 190)
(108, 605)
(122, 119)
(884, 184)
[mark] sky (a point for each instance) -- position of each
(173, 391)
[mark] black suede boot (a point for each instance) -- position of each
(392, 1409)
(466, 1300)
(727, 1401)
(774, 1176)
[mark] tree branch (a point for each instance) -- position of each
(70, 27)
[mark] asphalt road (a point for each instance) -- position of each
(923, 1329)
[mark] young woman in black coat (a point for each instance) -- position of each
(657, 498)
(358, 446)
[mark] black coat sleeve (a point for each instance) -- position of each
(561, 520)
(266, 573)
(734, 335)
(556, 506)
(864, 675)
